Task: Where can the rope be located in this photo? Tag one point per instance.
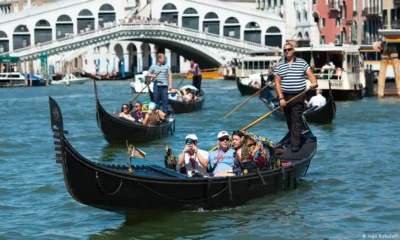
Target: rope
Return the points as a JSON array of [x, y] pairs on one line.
[[182, 200], [102, 189]]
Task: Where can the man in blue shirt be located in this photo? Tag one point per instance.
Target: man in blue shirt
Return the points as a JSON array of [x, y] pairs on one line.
[[223, 159], [162, 83]]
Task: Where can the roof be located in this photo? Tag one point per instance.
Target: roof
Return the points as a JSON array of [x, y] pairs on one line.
[[262, 58], [329, 48]]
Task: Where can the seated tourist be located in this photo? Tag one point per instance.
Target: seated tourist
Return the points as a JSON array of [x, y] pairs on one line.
[[188, 96], [192, 158], [154, 116], [256, 84], [252, 151], [125, 113], [237, 141], [174, 95], [317, 100], [138, 114], [222, 160]]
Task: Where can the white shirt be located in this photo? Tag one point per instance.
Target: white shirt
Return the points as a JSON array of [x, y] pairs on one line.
[[318, 100], [198, 168]]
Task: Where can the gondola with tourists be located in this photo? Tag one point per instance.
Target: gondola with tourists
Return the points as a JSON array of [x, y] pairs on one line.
[[118, 130], [246, 89], [183, 106], [322, 115], [115, 188]]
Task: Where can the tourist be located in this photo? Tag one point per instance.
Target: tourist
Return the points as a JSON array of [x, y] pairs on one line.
[[138, 115], [154, 116], [192, 158], [125, 113], [163, 81], [222, 160], [290, 85], [317, 100]]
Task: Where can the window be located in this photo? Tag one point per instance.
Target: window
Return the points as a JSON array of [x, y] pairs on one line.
[[322, 39], [305, 15], [314, 2], [355, 5], [344, 8], [298, 16], [337, 21], [322, 22], [1, 48], [16, 7]]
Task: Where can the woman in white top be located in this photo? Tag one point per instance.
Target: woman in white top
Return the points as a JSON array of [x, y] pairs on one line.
[[195, 160]]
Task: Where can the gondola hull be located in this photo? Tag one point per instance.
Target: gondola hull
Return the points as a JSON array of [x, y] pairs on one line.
[[323, 115], [245, 89], [113, 188], [119, 130], [184, 106]]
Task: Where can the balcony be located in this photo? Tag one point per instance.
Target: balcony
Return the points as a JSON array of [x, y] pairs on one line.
[[334, 5], [396, 2]]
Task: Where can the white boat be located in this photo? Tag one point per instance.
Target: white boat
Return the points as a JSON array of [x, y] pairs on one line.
[[70, 79], [346, 75], [139, 83], [246, 66], [14, 79]]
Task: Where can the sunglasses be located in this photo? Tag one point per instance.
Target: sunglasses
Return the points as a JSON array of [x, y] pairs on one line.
[[287, 49], [190, 141], [251, 144], [223, 139], [124, 107], [137, 106]]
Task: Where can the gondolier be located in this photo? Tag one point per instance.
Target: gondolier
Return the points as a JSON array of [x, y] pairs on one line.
[[290, 80], [162, 83], [195, 70]]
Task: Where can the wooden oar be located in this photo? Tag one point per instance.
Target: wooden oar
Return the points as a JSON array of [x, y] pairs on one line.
[[255, 94], [267, 114], [181, 81], [137, 95]]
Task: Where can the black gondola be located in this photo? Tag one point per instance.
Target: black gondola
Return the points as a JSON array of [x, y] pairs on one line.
[[118, 130], [322, 115], [245, 89], [184, 106], [114, 188]]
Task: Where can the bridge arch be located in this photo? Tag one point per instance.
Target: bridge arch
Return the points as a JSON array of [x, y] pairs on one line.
[[273, 37], [4, 42], [232, 28], [190, 18], [43, 31], [106, 14], [21, 37], [211, 23], [85, 21], [64, 26], [252, 32], [169, 13]]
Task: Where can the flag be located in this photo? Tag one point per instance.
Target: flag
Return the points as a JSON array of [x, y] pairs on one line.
[[312, 63]]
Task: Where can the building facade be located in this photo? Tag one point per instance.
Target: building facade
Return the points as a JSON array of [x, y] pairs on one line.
[[372, 10]]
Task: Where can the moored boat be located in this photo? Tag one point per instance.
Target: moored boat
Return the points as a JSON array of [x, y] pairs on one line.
[[118, 130], [138, 83], [246, 89], [114, 188], [70, 79]]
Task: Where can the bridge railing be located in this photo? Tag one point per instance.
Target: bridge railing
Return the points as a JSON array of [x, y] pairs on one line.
[[135, 26]]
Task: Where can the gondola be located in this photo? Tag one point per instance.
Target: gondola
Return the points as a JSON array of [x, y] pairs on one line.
[[184, 106], [118, 130], [323, 115], [245, 89], [114, 188]]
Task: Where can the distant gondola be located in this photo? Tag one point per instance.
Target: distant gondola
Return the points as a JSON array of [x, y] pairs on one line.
[[114, 188], [184, 106], [118, 130], [323, 115], [245, 89]]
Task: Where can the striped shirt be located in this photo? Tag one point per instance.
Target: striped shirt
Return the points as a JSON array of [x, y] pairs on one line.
[[293, 76], [162, 78]]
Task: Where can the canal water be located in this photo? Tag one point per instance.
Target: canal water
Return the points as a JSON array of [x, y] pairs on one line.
[[351, 187]]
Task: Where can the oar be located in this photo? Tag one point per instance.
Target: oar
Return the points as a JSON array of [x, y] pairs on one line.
[[137, 95], [182, 81], [255, 94], [267, 114]]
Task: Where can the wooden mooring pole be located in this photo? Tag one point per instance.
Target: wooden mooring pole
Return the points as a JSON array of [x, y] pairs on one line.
[[382, 76], [396, 70]]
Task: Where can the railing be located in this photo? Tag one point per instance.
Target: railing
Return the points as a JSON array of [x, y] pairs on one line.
[[370, 11], [47, 8], [395, 24], [64, 42], [334, 5]]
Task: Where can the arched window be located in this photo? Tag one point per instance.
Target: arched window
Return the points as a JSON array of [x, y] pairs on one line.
[[232, 20], [273, 37], [106, 7], [211, 15], [252, 32], [190, 11], [85, 12], [3, 34], [169, 6], [211, 23], [16, 7], [191, 21]]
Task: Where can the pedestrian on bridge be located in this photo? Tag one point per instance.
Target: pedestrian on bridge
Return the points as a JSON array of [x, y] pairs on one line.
[[163, 81]]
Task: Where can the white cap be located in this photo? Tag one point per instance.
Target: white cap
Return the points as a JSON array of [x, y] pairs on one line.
[[192, 136], [223, 134]]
